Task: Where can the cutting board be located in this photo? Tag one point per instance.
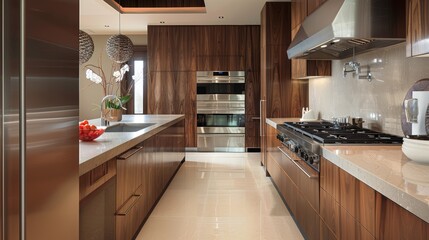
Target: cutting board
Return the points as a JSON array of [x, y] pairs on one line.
[[421, 85]]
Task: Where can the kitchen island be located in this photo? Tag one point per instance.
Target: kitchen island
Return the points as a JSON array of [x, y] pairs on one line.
[[111, 144], [125, 171]]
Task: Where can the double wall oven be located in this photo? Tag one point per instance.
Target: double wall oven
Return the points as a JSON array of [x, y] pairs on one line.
[[221, 111]]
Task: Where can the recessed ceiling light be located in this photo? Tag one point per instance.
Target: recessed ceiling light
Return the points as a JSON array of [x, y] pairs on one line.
[[106, 26], [323, 46], [162, 22], [221, 17]]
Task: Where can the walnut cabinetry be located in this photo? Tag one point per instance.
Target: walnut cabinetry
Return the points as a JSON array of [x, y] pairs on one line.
[[417, 28], [301, 68], [175, 54], [280, 95], [350, 209], [124, 190], [143, 173]]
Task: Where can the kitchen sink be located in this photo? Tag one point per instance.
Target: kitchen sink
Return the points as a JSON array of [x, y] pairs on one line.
[[128, 127]]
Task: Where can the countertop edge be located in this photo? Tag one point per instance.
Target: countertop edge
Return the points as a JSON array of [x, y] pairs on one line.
[[400, 197], [92, 163]]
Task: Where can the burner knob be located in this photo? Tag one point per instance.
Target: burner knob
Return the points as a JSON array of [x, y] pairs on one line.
[[295, 149], [302, 153], [306, 158], [314, 159]]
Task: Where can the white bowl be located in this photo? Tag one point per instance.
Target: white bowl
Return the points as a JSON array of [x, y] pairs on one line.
[[413, 145], [416, 154], [416, 147], [416, 141]]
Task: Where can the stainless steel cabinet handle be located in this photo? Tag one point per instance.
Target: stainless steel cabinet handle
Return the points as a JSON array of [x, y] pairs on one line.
[[129, 153], [256, 118], [297, 163]]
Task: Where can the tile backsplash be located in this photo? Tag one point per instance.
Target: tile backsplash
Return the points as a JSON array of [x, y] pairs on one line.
[[378, 102]]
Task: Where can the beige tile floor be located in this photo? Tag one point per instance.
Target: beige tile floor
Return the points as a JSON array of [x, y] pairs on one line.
[[222, 196]]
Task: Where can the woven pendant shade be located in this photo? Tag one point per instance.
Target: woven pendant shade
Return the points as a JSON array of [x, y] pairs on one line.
[[119, 48], [86, 47]]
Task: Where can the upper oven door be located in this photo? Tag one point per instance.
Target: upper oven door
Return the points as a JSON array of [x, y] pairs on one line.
[[232, 82], [221, 88]]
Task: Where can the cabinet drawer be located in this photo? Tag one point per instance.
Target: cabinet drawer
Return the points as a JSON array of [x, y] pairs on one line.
[[307, 218], [129, 216], [305, 178], [128, 174]]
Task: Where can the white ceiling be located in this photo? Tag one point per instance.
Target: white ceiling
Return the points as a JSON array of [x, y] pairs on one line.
[[96, 14]]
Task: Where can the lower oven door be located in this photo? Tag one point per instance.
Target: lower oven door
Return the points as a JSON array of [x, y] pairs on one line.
[[220, 139]]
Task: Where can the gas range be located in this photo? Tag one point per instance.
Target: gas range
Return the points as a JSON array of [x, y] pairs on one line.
[[306, 138]]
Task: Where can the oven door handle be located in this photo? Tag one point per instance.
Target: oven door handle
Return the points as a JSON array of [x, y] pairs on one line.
[[298, 164]]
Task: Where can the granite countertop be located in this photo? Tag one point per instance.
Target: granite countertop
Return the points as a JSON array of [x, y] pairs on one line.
[[274, 121], [387, 170], [111, 144]]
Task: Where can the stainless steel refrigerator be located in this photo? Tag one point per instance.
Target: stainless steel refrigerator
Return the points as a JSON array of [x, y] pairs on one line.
[[39, 114]]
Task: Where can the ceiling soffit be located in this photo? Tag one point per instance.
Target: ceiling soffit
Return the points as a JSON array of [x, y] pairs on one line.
[[158, 6]]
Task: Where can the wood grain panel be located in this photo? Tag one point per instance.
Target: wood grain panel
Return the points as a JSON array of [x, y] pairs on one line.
[[128, 178], [127, 225], [325, 232], [283, 97], [394, 222], [319, 68], [299, 12], [417, 27], [330, 213], [308, 219], [279, 85], [330, 178], [191, 110], [312, 5], [175, 93], [278, 23], [358, 200], [351, 229], [252, 52], [171, 48]]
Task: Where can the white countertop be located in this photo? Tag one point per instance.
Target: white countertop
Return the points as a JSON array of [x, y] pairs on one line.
[[111, 144], [273, 122], [387, 170]]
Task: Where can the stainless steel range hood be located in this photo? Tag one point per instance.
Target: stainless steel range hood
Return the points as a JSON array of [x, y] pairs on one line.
[[338, 26]]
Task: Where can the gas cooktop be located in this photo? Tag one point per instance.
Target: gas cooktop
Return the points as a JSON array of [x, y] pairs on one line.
[[329, 133]]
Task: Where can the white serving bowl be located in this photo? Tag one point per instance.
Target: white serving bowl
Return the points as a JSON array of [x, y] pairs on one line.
[[416, 142], [419, 154]]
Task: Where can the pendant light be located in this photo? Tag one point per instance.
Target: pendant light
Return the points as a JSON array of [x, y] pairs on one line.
[[119, 47], [86, 47]]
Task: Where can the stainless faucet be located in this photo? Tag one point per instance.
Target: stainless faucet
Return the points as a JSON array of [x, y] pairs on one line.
[[104, 119]]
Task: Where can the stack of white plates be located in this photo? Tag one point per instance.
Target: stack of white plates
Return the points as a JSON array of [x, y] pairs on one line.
[[416, 150]]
